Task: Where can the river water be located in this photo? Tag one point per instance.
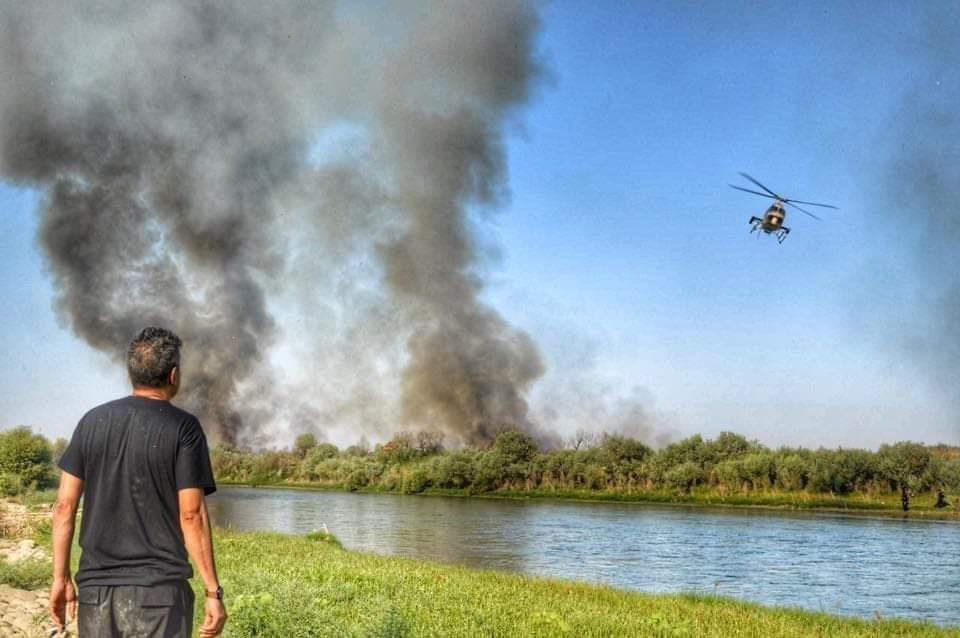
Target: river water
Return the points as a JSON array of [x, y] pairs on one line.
[[840, 564]]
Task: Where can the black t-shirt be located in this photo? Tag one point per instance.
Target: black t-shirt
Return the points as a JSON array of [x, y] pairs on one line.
[[133, 455]]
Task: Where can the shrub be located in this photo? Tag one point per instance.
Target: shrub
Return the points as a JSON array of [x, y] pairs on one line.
[[758, 469], [792, 471], [491, 470], [453, 470], [415, 481], [317, 454], [11, 485], [730, 474], [358, 479], [683, 477]]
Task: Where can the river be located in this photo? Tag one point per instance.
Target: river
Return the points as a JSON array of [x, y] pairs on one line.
[[850, 565]]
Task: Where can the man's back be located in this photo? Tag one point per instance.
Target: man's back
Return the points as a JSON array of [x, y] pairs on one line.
[[134, 454]]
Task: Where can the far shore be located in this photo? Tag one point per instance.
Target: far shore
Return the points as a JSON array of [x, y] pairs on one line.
[[786, 503]]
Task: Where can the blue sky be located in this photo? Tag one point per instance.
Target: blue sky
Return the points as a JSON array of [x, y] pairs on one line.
[[623, 250]]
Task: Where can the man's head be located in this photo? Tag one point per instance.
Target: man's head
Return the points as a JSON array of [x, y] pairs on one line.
[[153, 360]]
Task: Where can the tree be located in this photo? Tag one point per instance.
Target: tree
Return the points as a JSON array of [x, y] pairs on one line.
[[316, 455], [515, 446], [623, 449], [58, 447], [582, 439], [429, 442], [727, 446], [27, 456], [904, 465], [304, 443], [399, 449], [691, 449], [362, 448]]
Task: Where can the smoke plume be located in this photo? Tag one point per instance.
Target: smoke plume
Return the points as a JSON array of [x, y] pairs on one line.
[[916, 196], [173, 145]]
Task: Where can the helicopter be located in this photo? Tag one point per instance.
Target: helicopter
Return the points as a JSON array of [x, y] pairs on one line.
[[772, 220]]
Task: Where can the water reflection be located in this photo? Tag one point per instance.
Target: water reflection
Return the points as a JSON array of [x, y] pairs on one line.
[[822, 562]]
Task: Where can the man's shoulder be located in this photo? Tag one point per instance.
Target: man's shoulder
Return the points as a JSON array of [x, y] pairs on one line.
[[102, 410], [128, 404]]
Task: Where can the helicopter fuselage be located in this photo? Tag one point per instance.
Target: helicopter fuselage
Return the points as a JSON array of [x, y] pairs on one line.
[[772, 221]]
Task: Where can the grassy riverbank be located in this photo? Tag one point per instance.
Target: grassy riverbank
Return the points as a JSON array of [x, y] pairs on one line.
[[290, 586], [922, 508]]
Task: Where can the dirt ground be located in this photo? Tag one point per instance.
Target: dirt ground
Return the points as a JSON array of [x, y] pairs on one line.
[[23, 613]]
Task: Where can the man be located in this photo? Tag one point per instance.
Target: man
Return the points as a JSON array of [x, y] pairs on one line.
[[143, 468]]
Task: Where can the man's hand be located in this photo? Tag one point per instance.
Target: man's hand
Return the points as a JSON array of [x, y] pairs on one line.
[[63, 602], [214, 618]]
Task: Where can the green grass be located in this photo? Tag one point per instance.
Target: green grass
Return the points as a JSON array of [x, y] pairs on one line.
[[33, 498], [291, 586], [27, 574]]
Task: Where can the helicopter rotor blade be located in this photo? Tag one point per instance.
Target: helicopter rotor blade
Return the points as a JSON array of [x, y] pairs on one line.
[[775, 196], [812, 203], [747, 190], [802, 210]]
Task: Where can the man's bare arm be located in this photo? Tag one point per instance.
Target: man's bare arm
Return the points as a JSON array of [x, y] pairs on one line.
[[195, 523], [197, 536], [63, 597]]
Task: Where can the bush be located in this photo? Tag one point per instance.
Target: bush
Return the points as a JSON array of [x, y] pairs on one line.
[[27, 456], [11, 485], [415, 481], [730, 474], [491, 470], [315, 456], [792, 471], [683, 477], [358, 479], [758, 469], [453, 470]]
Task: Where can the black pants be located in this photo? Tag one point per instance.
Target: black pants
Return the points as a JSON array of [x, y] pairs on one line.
[[131, 611]]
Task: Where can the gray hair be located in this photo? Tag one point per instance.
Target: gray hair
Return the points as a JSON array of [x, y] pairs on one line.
[[153, 353]]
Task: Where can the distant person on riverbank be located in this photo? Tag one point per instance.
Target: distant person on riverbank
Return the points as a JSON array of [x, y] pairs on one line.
[[143, 468]]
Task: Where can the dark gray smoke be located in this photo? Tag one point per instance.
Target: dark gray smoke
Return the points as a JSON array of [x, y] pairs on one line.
[[916, 198], [168, 138]]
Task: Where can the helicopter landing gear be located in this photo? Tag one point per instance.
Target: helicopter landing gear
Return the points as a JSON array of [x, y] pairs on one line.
[[756, 224]]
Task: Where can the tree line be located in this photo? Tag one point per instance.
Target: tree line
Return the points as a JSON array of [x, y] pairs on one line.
[[730, 464], [412, 462]]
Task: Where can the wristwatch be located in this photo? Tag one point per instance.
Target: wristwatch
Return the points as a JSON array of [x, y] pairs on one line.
[[218, 594]]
